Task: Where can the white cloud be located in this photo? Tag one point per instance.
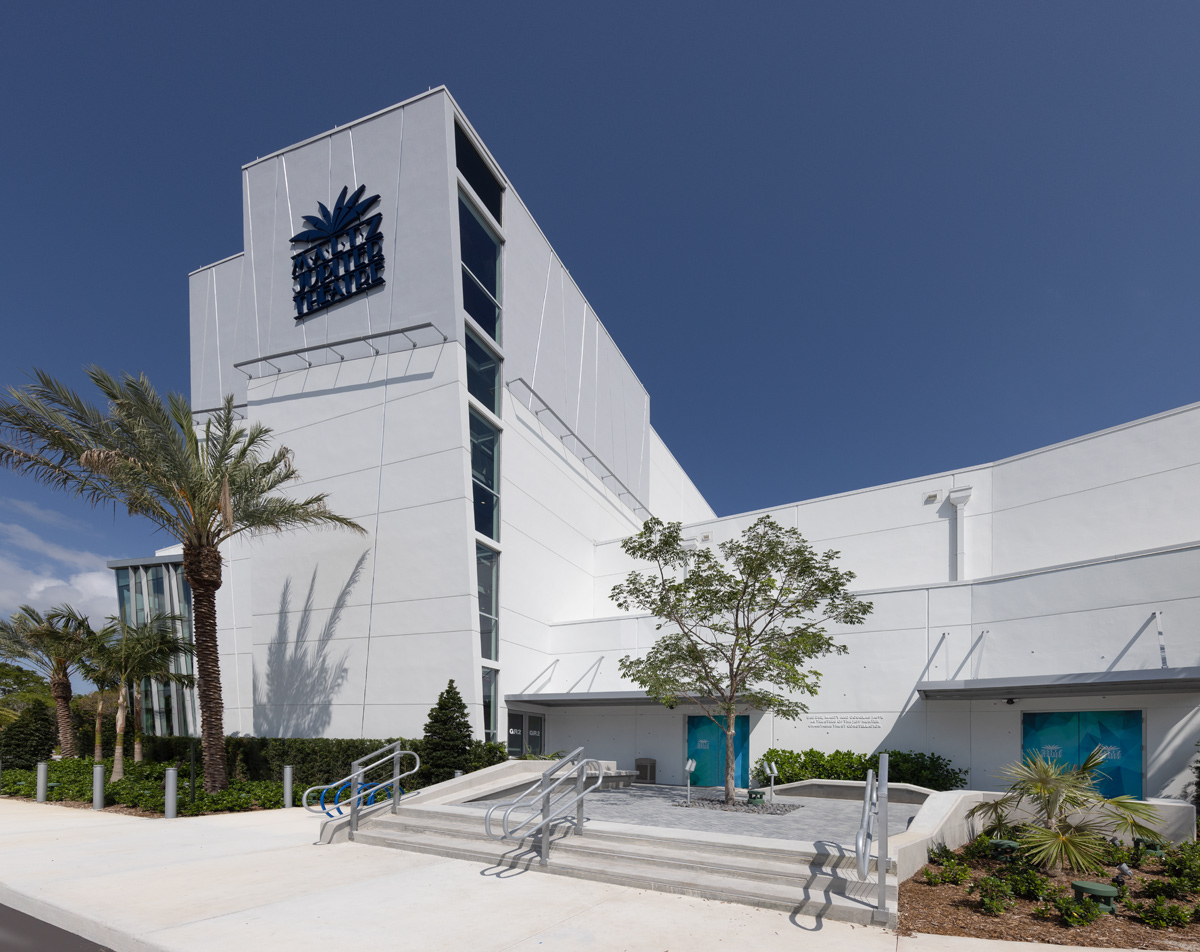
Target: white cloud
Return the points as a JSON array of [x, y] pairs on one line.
[[15, 536], [50, 517], [93, 593]]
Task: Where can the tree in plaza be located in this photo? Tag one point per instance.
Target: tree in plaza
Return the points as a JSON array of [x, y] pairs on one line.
[[126, 655], [738, 629], [53, 644], [447, 745], [30, 738], [201, 484]]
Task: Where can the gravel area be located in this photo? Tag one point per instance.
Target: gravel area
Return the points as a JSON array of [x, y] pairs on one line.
[[780, 808], [814, 819]]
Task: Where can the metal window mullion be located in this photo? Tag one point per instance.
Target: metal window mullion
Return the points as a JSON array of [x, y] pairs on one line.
[[482, 287]]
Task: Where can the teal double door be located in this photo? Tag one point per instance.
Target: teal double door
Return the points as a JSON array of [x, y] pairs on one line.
[[706, 746], [1069, 736]]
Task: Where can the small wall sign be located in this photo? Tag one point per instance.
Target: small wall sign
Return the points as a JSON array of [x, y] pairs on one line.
[[344, 256], [871, 721]]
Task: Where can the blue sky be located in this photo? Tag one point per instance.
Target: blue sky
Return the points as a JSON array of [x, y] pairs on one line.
[[842, 244]]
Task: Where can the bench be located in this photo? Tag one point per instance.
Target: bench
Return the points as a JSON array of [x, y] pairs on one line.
[[1103, 893]]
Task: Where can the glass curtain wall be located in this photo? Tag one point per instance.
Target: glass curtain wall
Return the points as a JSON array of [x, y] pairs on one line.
[[143, 590], [479, 253]]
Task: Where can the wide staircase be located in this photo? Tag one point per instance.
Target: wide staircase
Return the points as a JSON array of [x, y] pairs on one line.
[[811, 879]]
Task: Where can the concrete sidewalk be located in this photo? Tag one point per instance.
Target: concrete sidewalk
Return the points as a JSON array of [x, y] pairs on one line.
[[256, 881]]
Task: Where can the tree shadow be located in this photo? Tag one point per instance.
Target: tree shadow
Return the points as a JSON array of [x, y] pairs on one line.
[[294, 698]]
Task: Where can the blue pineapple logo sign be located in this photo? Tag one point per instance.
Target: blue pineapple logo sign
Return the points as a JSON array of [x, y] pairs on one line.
[[344, 256]]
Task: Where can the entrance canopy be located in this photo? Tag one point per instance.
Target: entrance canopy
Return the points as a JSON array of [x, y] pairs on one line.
[[1143, 681]]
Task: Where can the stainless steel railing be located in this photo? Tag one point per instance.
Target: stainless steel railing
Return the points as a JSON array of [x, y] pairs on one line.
[[545, 805], [353, 791], [875, 813]]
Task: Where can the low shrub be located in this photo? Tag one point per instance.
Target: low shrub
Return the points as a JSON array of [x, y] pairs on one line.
[[978, 849], [1077, 912], [951, 872], [1173, 887], [941, 854], [995, 895], [1161, 914], [1182, 862], [1027, 883], [904, 766]]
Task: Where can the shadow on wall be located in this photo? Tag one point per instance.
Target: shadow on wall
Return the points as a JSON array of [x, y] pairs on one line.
[[294, 697]]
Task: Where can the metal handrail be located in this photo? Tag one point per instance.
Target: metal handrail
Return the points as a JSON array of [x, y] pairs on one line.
[[550, 809], [875, 810], [359, 791]]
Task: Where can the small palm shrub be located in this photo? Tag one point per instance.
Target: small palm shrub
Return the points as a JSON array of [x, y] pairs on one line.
[[1071, 819]]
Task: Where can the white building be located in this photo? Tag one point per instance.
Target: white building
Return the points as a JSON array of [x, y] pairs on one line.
[[436, 369]]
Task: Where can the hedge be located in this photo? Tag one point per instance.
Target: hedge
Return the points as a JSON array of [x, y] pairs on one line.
[[904, 766]]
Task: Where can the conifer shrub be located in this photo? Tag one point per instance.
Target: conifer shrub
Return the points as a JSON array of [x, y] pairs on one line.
[[447, 741]]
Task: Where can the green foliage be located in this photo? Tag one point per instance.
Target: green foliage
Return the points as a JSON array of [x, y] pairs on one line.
[[904, 766], [995, 895], [978, 849], [1070, 818], [1115, 854], [19, 687], [1027, 883], [951, 872], [1160, 914], [30, 738], [940, 854], [1173, 887], [1182, 862], [738, 628], [1077, 912], [447, 745]]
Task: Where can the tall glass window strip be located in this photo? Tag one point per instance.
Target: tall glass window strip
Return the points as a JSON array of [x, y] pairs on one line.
[[485, 441], [478, 174], [487, 564], [480, 252], [483, 374], [490, 676]]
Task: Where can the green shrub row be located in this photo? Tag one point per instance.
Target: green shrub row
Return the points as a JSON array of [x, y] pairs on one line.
[[904, 766]]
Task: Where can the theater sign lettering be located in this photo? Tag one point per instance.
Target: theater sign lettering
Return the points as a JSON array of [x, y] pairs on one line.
[[343, 254]]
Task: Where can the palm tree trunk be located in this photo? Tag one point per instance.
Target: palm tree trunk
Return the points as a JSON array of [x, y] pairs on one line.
[[118, 771], [98, 748], [60, 690], [202, 569], [137, 724]]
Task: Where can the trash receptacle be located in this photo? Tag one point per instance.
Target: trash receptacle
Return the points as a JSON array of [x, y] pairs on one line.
[[647, 770]]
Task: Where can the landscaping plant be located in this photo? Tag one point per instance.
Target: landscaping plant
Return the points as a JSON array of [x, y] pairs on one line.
[[1066, 820], [738, 628]]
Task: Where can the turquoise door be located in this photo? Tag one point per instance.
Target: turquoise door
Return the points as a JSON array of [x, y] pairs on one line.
[[706, 746], [1069, 736]]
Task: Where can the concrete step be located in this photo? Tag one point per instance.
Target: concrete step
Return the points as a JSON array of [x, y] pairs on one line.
[[814, 895], [824, 857]]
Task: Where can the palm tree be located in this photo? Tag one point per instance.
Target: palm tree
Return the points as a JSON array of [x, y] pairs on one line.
[[202, 485], [1059, 816], [54, 644], [128, 654], [94, 668]]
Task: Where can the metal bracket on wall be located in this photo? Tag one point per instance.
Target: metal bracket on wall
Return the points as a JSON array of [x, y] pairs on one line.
[[417, 335]]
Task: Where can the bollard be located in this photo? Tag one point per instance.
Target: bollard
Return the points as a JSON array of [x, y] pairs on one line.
[[287, 788], [458, 773], [43, 776], [172, 793], [98, 787]]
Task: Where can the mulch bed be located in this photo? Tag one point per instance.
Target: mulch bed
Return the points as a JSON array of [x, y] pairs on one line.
[[950, 910]]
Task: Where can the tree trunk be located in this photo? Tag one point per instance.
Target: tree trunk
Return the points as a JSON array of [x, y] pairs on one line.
[[137, 724], [118, 771], [202, 569], [60, 690], [98, 748], [729, 758]]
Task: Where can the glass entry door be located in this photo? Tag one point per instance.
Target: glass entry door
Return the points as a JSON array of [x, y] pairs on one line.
[[526, 734]]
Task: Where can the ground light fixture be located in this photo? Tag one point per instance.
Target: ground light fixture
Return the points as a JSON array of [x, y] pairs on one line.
[[772, 772], [688, 768]]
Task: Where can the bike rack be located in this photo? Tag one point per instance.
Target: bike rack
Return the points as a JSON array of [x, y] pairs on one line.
[[358, 790]]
